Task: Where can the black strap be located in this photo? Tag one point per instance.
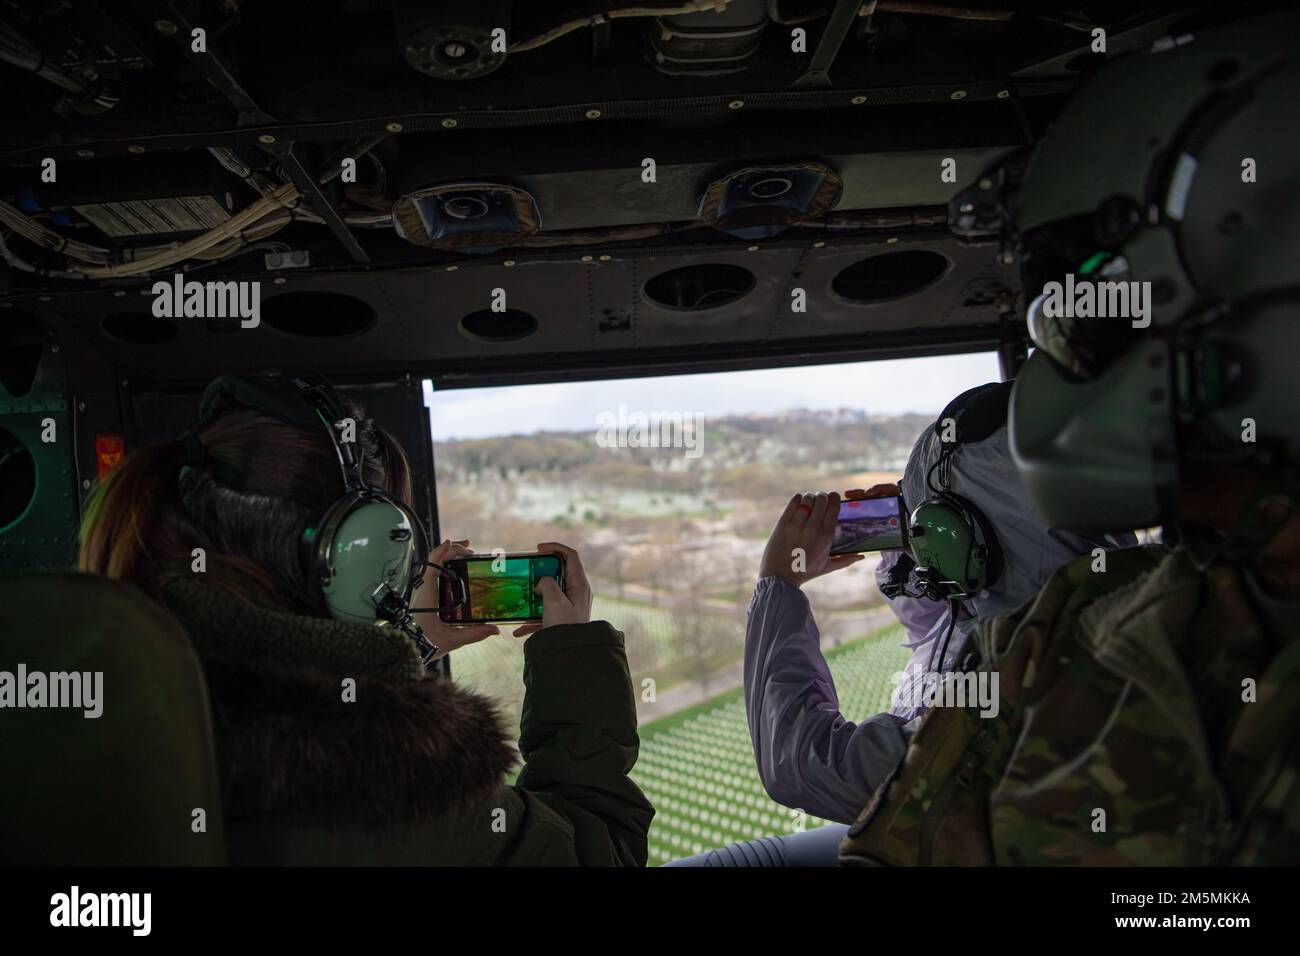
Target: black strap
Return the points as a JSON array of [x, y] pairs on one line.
[[196, 454], [976, 413]]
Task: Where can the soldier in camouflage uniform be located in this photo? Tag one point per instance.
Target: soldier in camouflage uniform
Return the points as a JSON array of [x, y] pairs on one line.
[[1150, 698]]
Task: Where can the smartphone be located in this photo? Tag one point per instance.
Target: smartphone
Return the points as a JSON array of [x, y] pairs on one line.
[[486, 588], [869, 524]]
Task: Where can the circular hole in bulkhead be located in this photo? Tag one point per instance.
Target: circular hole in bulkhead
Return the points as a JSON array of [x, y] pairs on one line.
[[318, 315], [17, 479], [890, 275], [20, 351], [696, 288], [488, 326], [138, 328]]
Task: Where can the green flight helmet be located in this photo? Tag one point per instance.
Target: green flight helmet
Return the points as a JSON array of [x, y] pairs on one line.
[[367, 549], [1178, 168]]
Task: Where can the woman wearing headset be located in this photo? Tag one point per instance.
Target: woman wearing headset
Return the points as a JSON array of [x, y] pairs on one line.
[[334, 744]]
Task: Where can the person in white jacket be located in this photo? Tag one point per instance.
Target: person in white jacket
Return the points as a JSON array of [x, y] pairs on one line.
[[809, 755]]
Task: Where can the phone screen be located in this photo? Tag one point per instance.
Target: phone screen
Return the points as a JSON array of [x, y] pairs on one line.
[[498, 588], [869, 524]]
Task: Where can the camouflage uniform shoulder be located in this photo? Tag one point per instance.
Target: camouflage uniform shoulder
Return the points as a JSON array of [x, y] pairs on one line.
[[1090, 576], [1070, 589]]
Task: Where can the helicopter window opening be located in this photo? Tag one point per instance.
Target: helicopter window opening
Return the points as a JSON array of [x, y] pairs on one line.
[[668, 487]]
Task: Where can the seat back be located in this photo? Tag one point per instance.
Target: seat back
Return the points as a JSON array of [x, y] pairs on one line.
[[122, 788]]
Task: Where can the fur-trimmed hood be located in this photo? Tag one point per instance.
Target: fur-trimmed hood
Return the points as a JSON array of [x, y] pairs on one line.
[[411, 748]]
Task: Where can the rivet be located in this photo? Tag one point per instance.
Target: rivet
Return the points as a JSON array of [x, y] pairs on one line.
[[1003, 94], [279, 280], [736, 105], [858, 100], [752, 248], [819, 244], [135, 149], [593, 114], [266, 139], [394, 127], [586, 258], [957, 95], [508, 263], [449, 123], [85, 154], [605, 258], [452, 268]]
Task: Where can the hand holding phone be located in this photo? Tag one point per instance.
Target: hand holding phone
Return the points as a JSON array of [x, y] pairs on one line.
[[481, 588], [540, 589], [447, 637], [567, 604], [799, 548]]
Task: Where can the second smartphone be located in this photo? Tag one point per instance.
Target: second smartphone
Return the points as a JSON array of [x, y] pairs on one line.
[[869, 524]]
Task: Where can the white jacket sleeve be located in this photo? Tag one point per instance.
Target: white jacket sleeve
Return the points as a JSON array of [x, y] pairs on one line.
[[809, 756]]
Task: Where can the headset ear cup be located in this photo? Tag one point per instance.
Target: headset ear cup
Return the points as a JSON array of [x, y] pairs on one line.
[[318, 541], [992, 547], [423, 544], [365, 557]]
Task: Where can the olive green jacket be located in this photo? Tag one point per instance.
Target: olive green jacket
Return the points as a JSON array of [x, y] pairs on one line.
[[334, 746]]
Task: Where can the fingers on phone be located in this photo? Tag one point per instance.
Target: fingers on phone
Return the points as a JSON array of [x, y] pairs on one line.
[[832, 513], [554, 547], [526, 630], [573, 571], [548, 589], [820, 505]]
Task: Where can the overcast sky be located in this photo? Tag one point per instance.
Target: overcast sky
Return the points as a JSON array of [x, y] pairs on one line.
[[921, 385]]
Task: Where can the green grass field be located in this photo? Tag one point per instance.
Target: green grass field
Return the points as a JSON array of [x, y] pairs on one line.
[[697, 766]]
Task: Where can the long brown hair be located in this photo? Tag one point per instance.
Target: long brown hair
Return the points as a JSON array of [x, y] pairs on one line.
[[264, 481]]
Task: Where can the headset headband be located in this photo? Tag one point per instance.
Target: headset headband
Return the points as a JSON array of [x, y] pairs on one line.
[[976, 413], [304, 399]]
